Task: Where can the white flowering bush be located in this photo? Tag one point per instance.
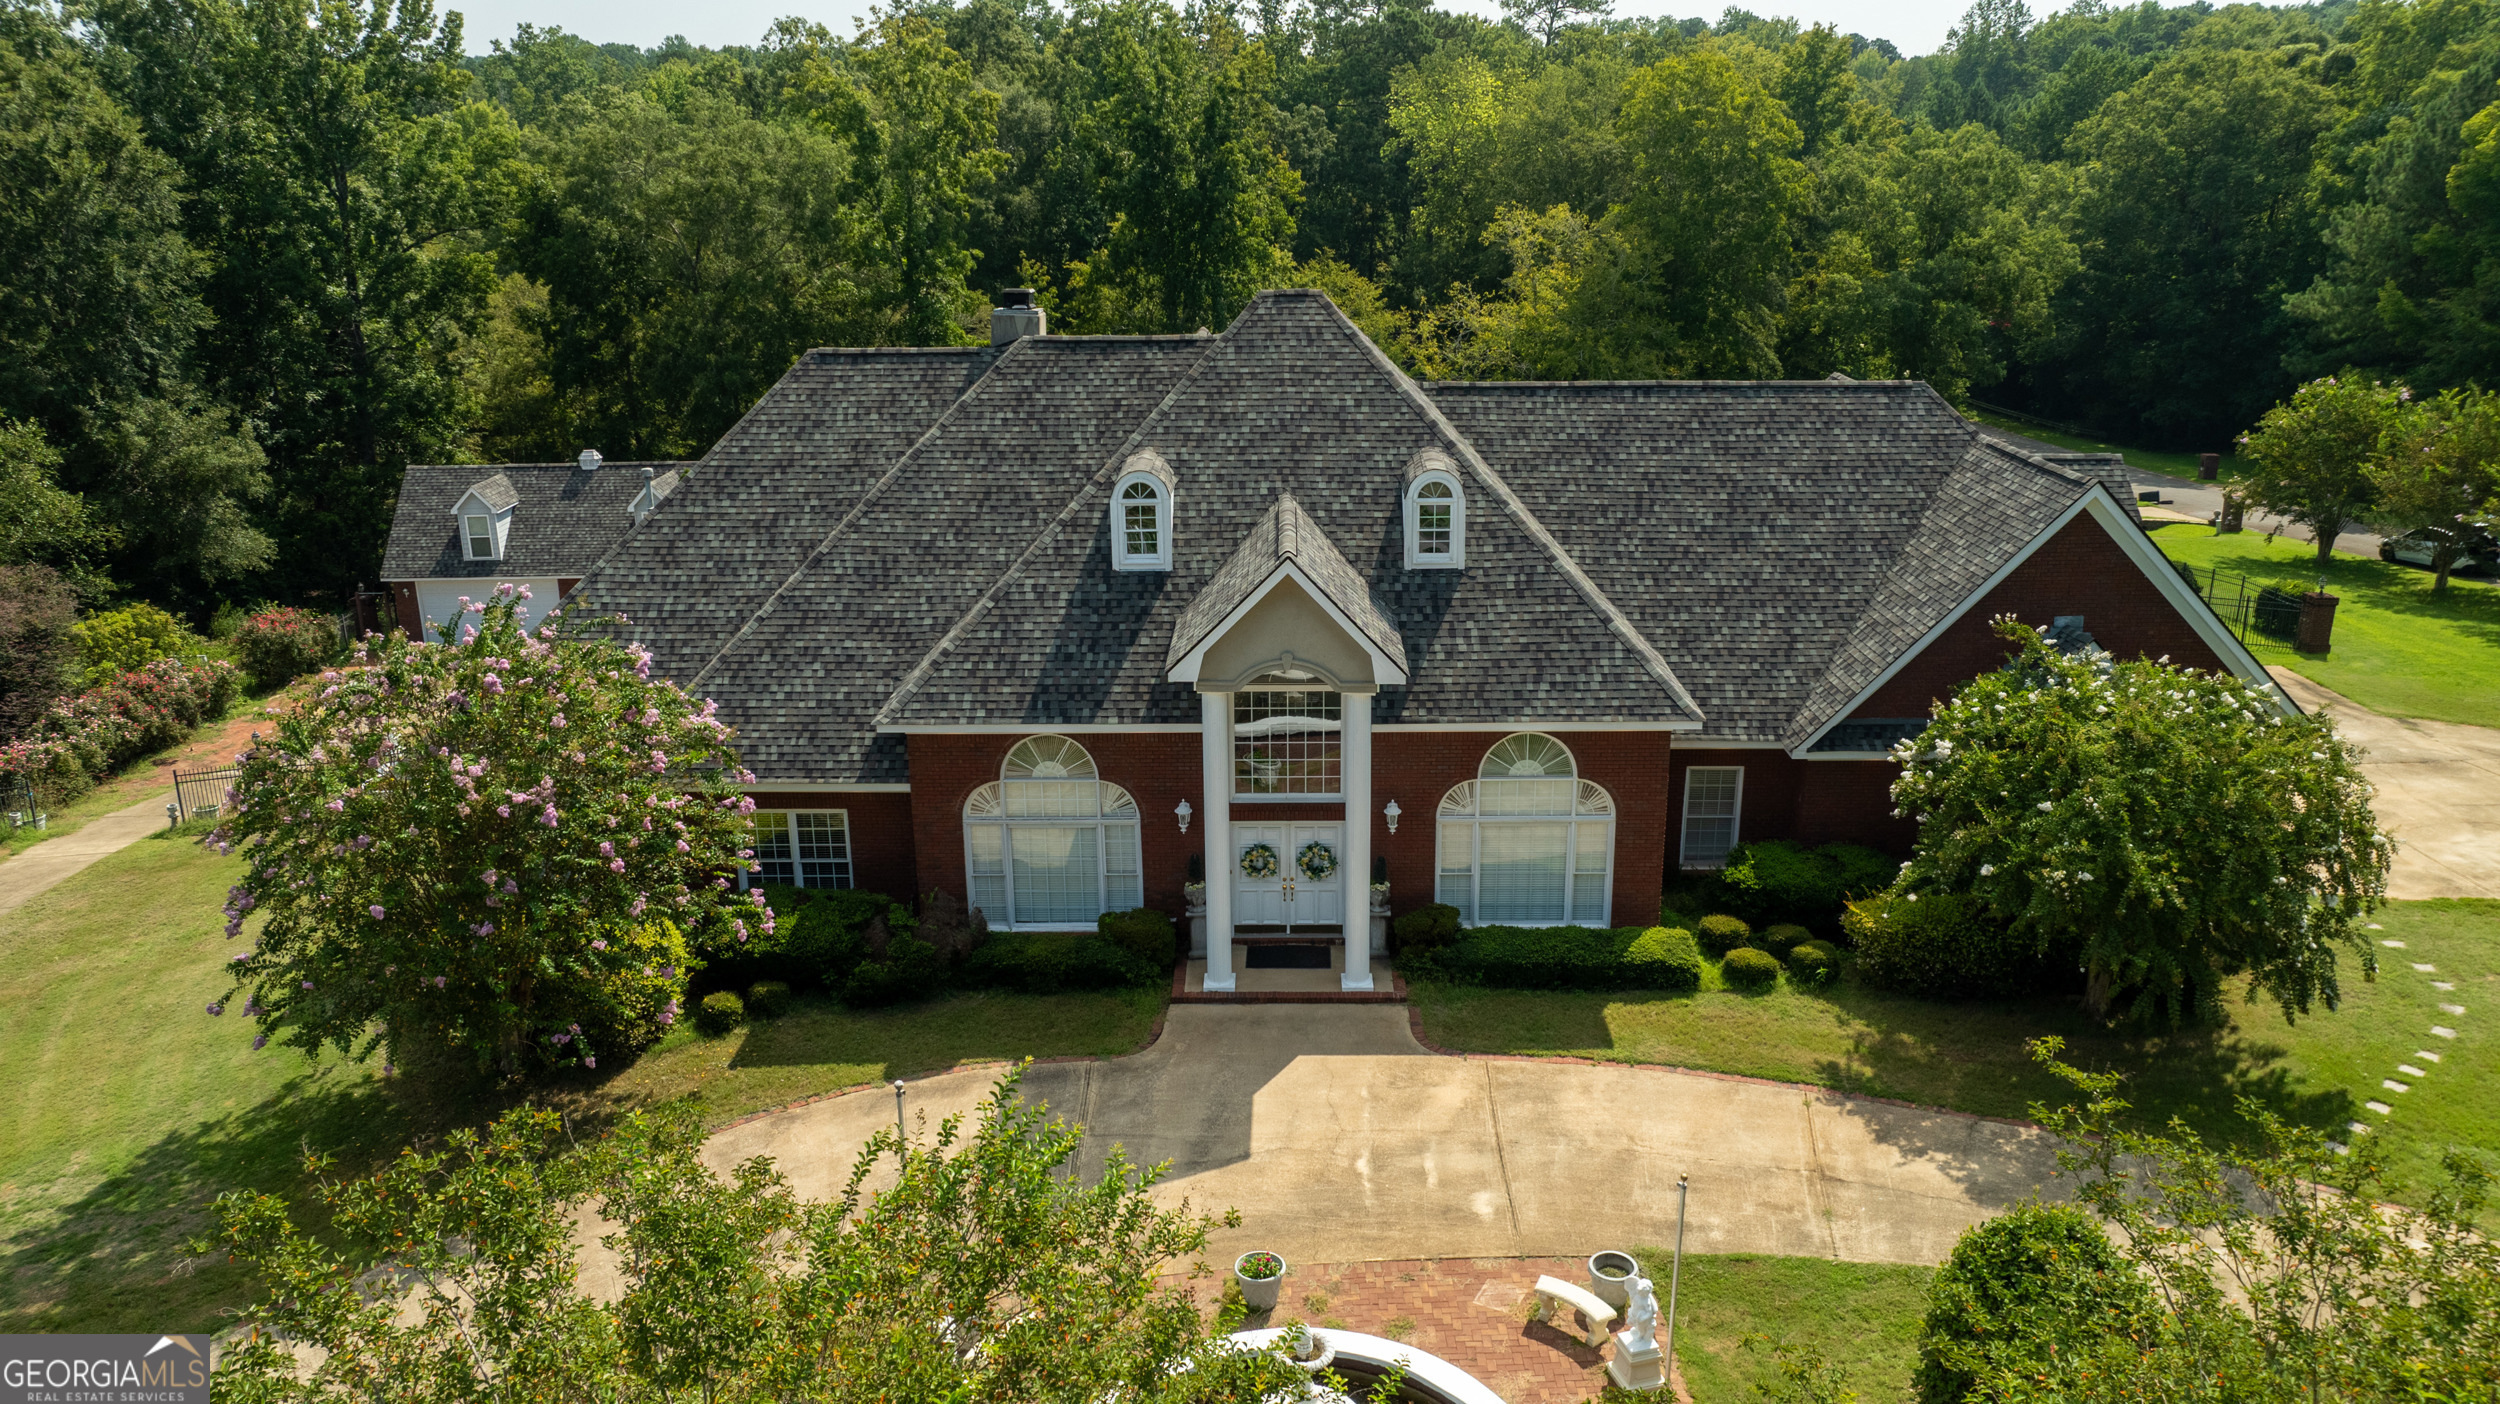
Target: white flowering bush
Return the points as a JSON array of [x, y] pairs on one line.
[[496, 850], [2168, 829]]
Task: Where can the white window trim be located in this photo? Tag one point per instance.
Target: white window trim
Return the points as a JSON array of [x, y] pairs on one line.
[[1457, 557], [1121, 559], [498, 525], [1346, 701], [1684, 818], [1572, 876], [1099, 822], [850, 850]]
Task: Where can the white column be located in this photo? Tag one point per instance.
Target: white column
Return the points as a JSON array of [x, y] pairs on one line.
[[1215, 716], [1354, 759]]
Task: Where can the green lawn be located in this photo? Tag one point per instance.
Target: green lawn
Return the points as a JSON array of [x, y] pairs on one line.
[[2399, 649], [1862, 1317], [1971, 1056], [2177, 465], [124, 1108]]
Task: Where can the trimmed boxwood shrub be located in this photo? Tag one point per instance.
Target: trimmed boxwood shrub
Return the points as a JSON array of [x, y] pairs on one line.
[[1781, 939], [820, 936], [1425, 928], [719, 1012], [1049, 962], [1664, 958], [1721, 934], [1813, 962], [1775, 880], [1749, 969], [768, 999], [1144, 933], [1939, 946], [2039, 1279]]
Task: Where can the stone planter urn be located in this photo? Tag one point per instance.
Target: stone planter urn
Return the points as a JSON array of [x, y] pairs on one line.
[[1194, 894], [1610, 1277], [1380, 918], [1259, 1293]]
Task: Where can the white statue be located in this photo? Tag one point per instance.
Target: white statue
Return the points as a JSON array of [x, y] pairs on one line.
[[1640, 1317]]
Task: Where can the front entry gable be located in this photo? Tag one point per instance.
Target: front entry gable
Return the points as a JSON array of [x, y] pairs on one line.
[[1287, 591]]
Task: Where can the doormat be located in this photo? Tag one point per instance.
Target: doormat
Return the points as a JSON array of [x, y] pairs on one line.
[[1287, 958]]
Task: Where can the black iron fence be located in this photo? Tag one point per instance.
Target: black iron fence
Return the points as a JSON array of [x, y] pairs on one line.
[[201, 794], [2245, 605]]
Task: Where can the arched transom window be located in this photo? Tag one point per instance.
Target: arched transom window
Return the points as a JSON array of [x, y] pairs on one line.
[[1527, 842], [1049, 843], [1141, 514]]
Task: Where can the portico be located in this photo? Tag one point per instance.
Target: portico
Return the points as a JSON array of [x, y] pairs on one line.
[[1287, 649]]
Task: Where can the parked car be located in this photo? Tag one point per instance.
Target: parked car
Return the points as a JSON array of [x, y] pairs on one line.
[[2478, 553]]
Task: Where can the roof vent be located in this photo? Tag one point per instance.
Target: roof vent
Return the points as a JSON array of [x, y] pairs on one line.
[[1016, 316], [590, 460]]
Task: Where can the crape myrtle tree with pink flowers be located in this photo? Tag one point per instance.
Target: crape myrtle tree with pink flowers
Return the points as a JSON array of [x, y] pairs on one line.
[[504, 853]]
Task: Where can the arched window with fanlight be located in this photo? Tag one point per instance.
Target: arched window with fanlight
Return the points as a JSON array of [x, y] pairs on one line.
[[1049, 843], [1141, 515], [1527, 842], [1436, 521]]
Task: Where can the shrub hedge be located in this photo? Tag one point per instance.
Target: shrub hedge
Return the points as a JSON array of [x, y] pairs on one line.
[[768, 999], [1940, 946], [1721, 934], [1052, 962], [1559, 958], [1781, 939], [80, 740], [1425, 928], [1775, 880], [1144, 933], [719, 1012], [907, 969], [1750, 969], [128, 639], [2017, 1288]]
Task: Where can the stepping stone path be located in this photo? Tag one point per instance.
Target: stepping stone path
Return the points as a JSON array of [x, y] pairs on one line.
[[2423, 1055]]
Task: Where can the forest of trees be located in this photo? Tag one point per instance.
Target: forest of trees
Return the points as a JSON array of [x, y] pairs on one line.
[[256, 255]]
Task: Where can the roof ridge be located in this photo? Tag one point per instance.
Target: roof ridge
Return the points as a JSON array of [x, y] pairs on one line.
[[857, 510], [980, 608], [1619, 623], [1819, 384]]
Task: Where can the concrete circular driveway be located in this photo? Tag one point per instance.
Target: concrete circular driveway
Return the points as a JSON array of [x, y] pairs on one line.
[[1339, 1138]]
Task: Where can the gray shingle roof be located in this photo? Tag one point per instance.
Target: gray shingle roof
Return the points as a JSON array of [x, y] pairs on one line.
[[563, 519], [1284, 534], [921, 538]]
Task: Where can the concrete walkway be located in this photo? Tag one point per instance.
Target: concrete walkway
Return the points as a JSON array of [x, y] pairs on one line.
[[1341, 1139], [2438, 793], [52, 862]]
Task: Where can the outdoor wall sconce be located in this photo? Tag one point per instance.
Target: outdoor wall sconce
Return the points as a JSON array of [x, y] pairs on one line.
[[1183, 812], [1391, 814]]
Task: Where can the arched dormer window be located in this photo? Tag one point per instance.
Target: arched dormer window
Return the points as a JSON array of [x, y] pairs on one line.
[[1049, 843], [1436, 518], [1527, 842], [1141, 514]]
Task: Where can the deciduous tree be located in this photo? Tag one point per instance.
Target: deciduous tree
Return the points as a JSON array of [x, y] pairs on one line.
[[2440, 469], [2313, 453]]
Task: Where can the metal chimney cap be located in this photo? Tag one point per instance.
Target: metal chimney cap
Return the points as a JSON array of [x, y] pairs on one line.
[[1016, 297], [590, 460]]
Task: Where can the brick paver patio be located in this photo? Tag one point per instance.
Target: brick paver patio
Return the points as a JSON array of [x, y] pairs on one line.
[[1473, 1312]]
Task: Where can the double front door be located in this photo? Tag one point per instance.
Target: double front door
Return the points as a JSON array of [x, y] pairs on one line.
[[1273, 883]]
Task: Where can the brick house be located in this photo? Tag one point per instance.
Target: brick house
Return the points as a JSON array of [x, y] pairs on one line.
[[1040, 623]]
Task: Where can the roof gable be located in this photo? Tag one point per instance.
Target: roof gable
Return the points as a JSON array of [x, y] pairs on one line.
[[559, 519], [1285, 545]]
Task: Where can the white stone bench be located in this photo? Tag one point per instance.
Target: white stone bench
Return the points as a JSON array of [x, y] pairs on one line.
[[1553, 1291]]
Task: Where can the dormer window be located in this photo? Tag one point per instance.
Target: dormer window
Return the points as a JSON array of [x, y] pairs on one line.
[[482, 518], [1436, 521], [1141, 515]]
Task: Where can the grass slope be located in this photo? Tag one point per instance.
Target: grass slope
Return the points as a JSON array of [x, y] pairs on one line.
[[1862, 1317], [1970, 1057], [125, 1109], [2399, 649], [2176, 465]]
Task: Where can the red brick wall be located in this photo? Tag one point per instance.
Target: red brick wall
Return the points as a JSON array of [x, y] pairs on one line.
[[1159, 769], [1416, 768], [2078, 571], [881, 834], [1810, 801]]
